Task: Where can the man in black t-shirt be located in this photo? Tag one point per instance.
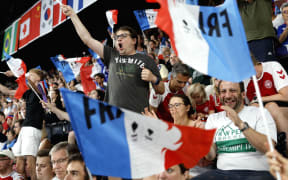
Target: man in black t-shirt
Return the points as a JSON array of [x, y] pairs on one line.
[[129, 72]]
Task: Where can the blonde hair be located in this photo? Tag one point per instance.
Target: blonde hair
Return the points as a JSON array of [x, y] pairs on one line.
[[215, 88], [196, 88], [39, 72]]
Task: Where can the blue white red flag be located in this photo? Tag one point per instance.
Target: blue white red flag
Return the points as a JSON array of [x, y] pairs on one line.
[[121, 143], [209, 39], [42, 87], [146, 18], [112, 17], [58, 15], [99, 65], [19, 69], [78, 5], [63, 66]]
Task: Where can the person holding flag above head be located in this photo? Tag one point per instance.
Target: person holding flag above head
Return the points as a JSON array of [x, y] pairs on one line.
[[129, 72], [29, 138]]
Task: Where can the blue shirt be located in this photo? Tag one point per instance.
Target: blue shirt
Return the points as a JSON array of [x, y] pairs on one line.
[[282, 50]]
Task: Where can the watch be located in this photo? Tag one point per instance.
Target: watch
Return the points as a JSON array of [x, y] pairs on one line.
[[246, 126]]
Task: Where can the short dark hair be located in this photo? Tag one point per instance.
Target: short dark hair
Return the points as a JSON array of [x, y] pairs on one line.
[[180, 68], [78, 158], [186, 102], [133, 33], [101, 75], [43, 153], [241, 85], [2, 113]]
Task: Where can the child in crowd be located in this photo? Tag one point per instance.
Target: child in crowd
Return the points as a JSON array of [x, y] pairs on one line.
[[197, 95], [11, 139]]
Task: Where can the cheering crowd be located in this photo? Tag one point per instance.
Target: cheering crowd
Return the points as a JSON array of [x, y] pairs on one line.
[[146, 76]]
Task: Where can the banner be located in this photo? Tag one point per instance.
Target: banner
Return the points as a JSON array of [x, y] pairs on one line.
[[58, 15], [64, 67], [10, 42], [209, 39], [146, 18], [19, 69], [112, 18], [30, 25], [78, 5], [46, 16], [121, 143]]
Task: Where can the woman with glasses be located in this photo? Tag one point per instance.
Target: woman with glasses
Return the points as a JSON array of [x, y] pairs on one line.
[[183, 114], [182, 111]]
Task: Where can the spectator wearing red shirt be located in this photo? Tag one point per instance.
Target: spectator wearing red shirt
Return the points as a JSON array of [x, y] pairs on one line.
[[159, 102], [273, 84], [197, 95]]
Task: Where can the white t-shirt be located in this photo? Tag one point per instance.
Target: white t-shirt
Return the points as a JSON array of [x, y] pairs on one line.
[[233, 149], [14, 175]]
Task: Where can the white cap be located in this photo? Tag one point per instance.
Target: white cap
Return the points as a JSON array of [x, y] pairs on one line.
[[7, 153]]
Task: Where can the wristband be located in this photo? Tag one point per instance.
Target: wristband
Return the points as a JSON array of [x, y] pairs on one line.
[[157, 81]]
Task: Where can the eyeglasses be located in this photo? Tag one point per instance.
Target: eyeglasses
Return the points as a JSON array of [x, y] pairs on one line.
[[59, 161], [124, 35], [176, 105]]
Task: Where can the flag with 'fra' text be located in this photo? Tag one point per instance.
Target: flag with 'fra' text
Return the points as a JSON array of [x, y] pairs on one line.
[[209, 39], [121, 143]]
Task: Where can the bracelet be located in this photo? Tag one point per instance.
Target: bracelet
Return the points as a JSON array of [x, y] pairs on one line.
[[157, 81]]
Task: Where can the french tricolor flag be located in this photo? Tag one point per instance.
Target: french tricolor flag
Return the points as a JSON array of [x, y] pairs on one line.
[[58, 15], [121, 143], [146, 18], [64, 67], [19, 69], [212, 40], [112, 17]]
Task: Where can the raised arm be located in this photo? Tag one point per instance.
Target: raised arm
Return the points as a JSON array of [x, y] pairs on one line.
[[83, 33], [7, 91], [62, 115]]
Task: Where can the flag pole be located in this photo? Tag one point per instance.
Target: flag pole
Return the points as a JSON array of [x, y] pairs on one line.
[[34, 90], [260, 102]]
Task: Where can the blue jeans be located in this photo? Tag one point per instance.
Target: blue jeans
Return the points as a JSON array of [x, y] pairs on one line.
[[218, 174]]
